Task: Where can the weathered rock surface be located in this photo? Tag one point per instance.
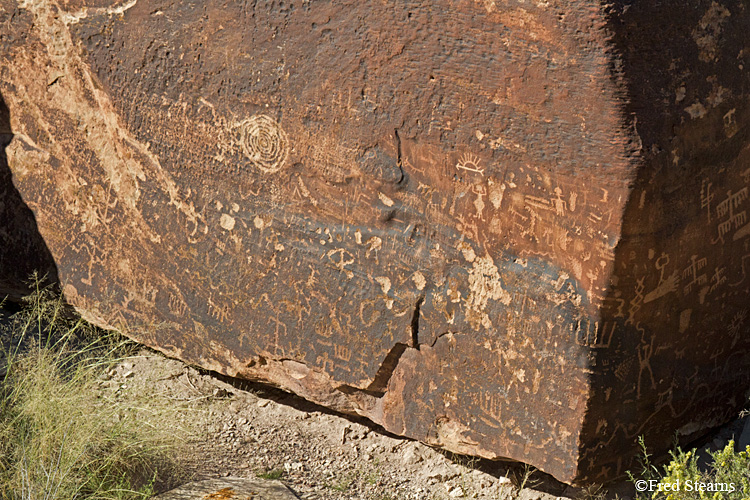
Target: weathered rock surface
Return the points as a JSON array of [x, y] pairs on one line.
[[230, 488], [510, 229]]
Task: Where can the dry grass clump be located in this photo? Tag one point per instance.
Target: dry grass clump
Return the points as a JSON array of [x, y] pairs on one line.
[[61, 435]]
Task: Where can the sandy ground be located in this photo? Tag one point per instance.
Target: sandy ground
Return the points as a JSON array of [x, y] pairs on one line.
[[252, 430]]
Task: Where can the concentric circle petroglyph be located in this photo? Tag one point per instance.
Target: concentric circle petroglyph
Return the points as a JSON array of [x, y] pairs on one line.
[[263, 142]]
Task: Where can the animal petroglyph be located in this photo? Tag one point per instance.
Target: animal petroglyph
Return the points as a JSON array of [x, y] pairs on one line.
[[263, 142]]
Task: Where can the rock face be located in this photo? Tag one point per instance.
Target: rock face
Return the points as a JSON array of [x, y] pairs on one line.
[[510, 229], [230, 488]]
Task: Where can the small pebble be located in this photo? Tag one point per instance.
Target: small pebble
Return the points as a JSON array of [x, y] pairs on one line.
[[456, 492]]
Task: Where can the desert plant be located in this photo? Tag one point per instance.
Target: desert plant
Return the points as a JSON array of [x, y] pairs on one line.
[[273, 474], [61, 435], [525, 479], [726, 478]]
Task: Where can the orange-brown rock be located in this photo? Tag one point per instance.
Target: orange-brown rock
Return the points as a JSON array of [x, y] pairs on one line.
[[515, 229]]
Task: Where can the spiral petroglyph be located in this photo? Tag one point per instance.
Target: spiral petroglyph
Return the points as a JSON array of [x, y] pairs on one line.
[[263, 142]]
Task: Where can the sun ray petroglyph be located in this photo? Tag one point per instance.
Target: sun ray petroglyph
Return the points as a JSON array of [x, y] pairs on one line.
[[470, 163]]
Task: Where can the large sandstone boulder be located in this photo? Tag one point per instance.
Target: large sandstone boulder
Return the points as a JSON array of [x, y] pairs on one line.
[[514, 229]]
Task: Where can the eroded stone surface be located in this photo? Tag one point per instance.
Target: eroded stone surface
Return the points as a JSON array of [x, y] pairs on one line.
[[506, 229], [230, 488]]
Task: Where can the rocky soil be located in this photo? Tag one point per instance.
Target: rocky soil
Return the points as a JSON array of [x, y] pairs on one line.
[[252, 430]]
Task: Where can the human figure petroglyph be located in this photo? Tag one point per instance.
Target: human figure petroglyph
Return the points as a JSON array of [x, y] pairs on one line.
[[559, 203], [666, 285], [479, 204]]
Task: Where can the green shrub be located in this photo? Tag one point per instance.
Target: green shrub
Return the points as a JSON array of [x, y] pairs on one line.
[[726, 478], [272, 474]]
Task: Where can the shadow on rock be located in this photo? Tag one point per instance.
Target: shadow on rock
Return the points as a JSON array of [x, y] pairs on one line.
[[23, 252]]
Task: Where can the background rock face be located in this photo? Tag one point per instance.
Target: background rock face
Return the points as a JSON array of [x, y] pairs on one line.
[[505, 229]]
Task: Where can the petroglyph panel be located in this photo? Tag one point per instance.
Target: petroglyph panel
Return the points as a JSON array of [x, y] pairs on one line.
[[505, 229]]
